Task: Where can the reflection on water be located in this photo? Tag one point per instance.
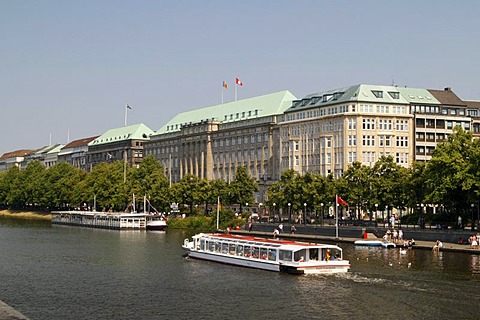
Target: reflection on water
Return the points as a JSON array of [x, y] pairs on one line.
[[63, 272]]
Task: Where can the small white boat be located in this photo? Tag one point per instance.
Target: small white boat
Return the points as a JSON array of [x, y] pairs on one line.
[[375, 243], [267, 254], [156, 222]]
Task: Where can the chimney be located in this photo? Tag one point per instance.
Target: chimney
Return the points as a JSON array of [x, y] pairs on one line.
[[448, 89]]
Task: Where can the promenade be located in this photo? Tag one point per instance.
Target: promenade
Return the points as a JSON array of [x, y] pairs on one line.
[[419, 244], [8, 313]]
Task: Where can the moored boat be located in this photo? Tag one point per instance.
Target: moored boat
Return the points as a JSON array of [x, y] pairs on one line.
[[156, 222], [267, 254], [375, 243]]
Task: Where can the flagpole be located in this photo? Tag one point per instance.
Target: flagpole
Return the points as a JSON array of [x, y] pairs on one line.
[[236, 85], [222, 94], [126, 114], [218, 211], [336, 216]]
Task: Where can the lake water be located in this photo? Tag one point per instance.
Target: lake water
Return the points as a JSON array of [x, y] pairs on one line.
[[60, 272]]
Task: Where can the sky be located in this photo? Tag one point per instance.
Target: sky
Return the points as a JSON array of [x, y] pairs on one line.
[[68, 68]]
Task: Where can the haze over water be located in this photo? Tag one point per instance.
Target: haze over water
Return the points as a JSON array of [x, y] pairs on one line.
[[57, 272]]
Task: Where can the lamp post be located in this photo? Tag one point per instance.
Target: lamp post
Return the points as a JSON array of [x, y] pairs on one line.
[[321, 206], [289, 212], [274, 212], [305, 212], [473, 221], [376, 211], [422, 226]]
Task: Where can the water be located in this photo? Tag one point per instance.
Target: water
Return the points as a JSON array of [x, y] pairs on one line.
[[60, 272]]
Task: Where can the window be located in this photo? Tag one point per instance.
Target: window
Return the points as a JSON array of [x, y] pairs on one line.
[[394, 95], [377, 93], [352, 124], [368, 124], [352, 141]]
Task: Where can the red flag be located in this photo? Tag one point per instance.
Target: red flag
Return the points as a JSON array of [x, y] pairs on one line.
[[341, 201], [238, 82]]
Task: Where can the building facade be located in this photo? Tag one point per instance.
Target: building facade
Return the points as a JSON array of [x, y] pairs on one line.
[[75, 153], [326, 132], [124, 143], [213, 142]]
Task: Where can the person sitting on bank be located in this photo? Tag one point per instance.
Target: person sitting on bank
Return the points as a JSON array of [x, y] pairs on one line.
[[438, 245], [275, 233]]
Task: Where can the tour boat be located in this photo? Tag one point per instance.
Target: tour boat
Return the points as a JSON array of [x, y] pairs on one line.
[[156, 222], [267, 254], [375, 243]]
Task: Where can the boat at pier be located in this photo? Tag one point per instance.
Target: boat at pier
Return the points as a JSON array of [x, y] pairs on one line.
[[104, 220], [267, 254], [156, 222], [375, 243]]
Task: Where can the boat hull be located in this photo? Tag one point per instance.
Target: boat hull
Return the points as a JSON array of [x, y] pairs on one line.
[[375, 243]]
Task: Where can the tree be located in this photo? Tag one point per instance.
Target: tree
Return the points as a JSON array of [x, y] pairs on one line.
[[60, 181], [243, 187]]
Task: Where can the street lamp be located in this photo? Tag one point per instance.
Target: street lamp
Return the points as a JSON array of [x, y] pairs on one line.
[[473, 221], [376, 211], [274, 212], [321, 205], [289, 212], [305, 212]]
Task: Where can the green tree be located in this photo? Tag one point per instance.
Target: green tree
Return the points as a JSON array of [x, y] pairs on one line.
[[243, 187], [60, 181]]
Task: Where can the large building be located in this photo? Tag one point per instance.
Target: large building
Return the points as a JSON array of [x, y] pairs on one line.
[[326, 132], [212, 142], [75, 152], [124, 143]]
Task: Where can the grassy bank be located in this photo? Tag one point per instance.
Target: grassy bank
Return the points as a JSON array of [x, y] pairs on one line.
[[25, 215]]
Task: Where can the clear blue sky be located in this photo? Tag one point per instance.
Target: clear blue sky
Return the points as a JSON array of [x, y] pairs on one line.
[[73, 65]]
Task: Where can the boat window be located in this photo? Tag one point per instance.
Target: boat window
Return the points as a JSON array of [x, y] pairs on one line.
[[224, 247], [239, 250], [313, 254], [218, 247], [248, 251], [272, 254], [231, 248], [202, 244], [263, 253], [211, 246], [299, 254], [285, 255], [256, 252]]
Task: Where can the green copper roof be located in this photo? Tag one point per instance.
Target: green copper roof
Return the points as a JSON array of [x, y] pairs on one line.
[[133, 132], [56, 149], [416, 95], [256, 107], [365, 93]]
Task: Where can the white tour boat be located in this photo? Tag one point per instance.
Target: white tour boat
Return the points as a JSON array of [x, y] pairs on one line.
[[267, 254]]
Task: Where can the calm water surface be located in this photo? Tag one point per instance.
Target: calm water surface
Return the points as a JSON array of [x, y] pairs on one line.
[[58, 272]]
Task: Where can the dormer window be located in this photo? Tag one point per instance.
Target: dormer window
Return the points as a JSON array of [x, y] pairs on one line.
[[394, 95], [377, 93]]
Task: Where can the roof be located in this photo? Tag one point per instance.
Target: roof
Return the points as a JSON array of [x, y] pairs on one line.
[[251, 108], [55, 149], [364, 93], [16, 153], [472, 103], [133, 132], [80, 142], [447, 97]]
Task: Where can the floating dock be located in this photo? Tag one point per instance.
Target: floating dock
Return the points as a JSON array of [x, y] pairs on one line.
[[104, 220]]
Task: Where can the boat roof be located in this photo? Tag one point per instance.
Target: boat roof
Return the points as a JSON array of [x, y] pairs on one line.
[[97, 213], [285, 244]]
